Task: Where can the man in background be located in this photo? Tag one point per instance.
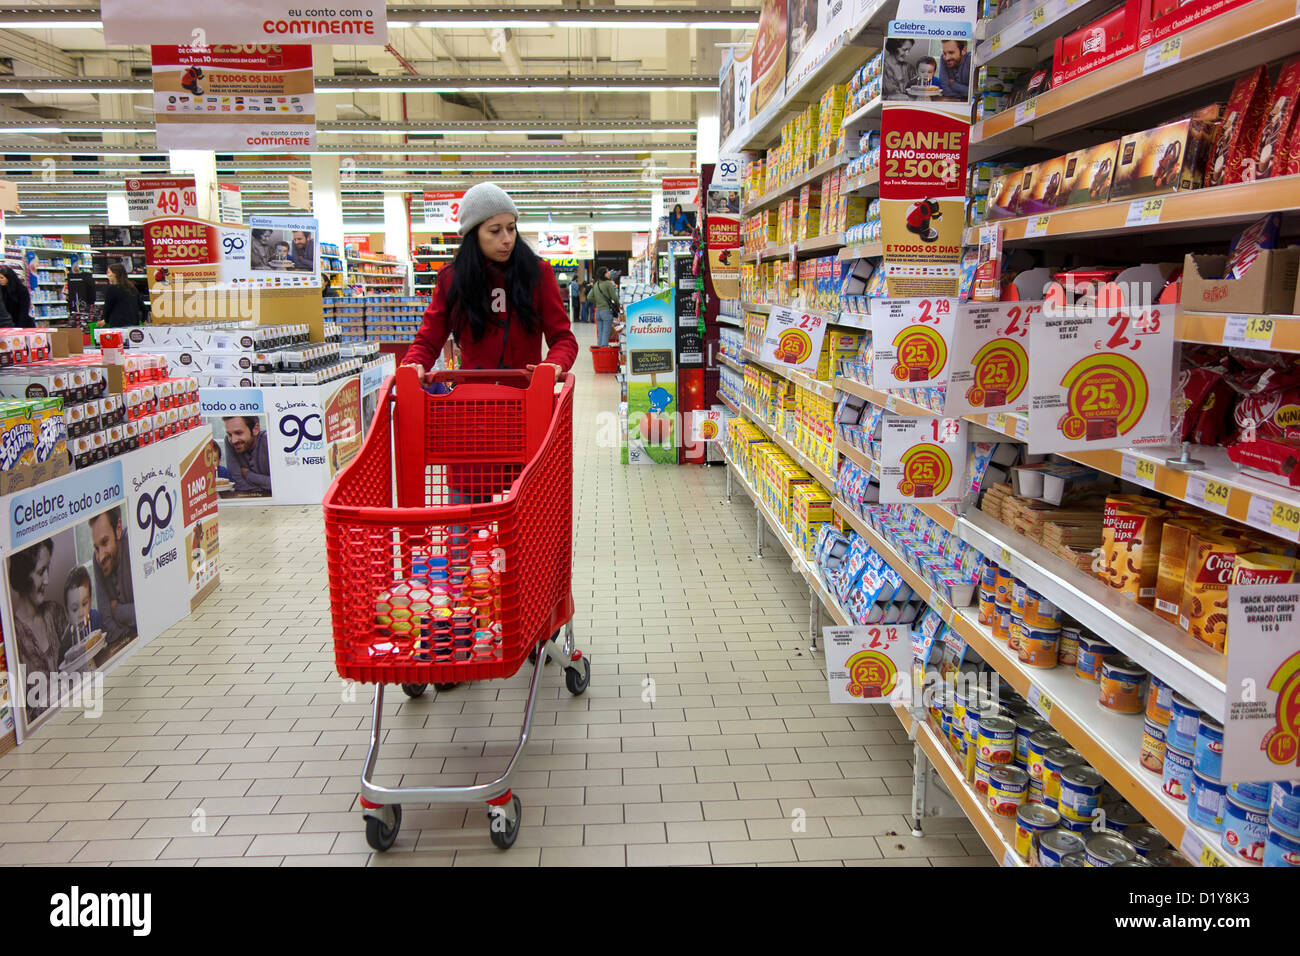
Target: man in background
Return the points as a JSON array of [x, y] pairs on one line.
[[954, 72], [248, 454], [114, 595]]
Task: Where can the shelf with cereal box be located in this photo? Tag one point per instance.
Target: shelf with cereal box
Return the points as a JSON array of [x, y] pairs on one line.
[[824, 478], [800, 379], [1200, 55], [795, 184]]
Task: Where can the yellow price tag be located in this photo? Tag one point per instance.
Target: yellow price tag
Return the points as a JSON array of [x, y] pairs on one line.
[[1259, 328], [1286, 516], [1210, 858], [1037, 17], [1004, 558], [1216, 494], [1145, 471], [1038, 699], [995, 43], [1000, 420]]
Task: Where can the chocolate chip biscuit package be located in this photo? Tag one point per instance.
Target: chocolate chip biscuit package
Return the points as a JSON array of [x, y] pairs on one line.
[[1130, 544], [1210, 560]]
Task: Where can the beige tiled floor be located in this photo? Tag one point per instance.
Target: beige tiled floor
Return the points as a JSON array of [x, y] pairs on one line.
[[230, 741]]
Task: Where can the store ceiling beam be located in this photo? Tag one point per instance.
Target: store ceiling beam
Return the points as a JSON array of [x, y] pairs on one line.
[[387, 127], [433, 150], [351, 85], [36, 52], [86, 16]]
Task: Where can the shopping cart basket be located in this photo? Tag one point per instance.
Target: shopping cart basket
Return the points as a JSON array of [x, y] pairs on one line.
[[449, 544]]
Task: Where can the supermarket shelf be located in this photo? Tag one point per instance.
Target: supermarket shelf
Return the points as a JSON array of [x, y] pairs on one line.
[[998, 833], [867, 184], [762, 308], [1109, 741], [384, 262], [731, 406], [130, 275], [1217, 206], [824, 478], [807, 382], [819, 244], [118, 249], [865, 117], [46, 251], [1217, 487], [798, 182], [886, 400], [862, 250], [731, 363], [1014, 425], [1034, 25], [722, 319], [1166, 650], [1281, 333], [1211, 51], [378, 275], [859, 458]]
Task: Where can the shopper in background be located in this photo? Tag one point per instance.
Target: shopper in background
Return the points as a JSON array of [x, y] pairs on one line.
[[17, 300], [588, 310], [40, 622], [496, 298], [604, 297], [121, 299], [575, 299], [114, 593]]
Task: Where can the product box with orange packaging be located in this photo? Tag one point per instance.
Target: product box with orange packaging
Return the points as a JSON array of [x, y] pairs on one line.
[[1166, 159], [1088, 175], [1008, 191], [1237, 144], [1160, 19], [1105, 40], [1272, 157]]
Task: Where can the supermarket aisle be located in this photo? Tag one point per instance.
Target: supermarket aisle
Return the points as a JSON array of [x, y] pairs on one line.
[[704, 737]]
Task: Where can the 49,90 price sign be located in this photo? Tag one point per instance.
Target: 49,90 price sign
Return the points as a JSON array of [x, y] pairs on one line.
[[154, 198]]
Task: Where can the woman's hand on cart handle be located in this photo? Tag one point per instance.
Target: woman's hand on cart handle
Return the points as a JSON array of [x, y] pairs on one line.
[[559, 372]]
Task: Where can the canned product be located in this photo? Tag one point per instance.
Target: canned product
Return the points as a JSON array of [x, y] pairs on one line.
[[1205, 804], [1018, 590], [1121, 685], [1036, 792], [1067, 648], [1207, 756], [1138, 862], [1040, 612], [997, 740], [989, 576], [988, 607], [1074, 859], [1184, 720], [1026, 726], [1040, 742], [1002, 622], [1245, 831], [981, 779], [1159, 696], [1055, 845], [1092, 651], [979, 705], [1080, 792], [1033, 820], [1145, 839], [1153, 746], [1002, 586], [1008, 788], [1015, 631], [1107, 849], [1284, 807], [1121, 816], [1083, 827], [1038, 646], [1281, 848], [1177, 773], [1054, 761], [1253, 795], [1168, 857]]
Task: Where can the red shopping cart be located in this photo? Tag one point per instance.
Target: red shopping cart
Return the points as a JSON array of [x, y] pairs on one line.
[[449, 548]]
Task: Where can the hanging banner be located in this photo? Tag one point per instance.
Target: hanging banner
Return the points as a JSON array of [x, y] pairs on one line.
[[152, 198], [184, 248], [640, 243], [283, 252], [651, 381], [230, 203], [442, 210], [1261, 730], [682, 202], [923, 460], [584, 242], [990, 358], [723, 243], [912, 341], [8, 196], [1100, 379], [769, 56], [793, 339], [733, 100], [869, 665], [553, 243], [136, 22], [815, 26], [237, 98], [299, 193]]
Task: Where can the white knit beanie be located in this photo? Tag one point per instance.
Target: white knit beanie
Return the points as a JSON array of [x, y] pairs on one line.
[[481, 203]]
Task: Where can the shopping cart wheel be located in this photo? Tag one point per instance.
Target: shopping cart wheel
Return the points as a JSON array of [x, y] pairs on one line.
[[503, 823], [578, 676], [380, 836], [414, 690], [441, 687]]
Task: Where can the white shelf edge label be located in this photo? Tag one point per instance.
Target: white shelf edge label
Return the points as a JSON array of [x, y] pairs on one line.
[[1275, 517], [1010, 858], [1041, 701], [1142, 211], [1026, 109], [1037, 226], [1022, 428], [1163, 54], [1209, 494], [1138, 470]]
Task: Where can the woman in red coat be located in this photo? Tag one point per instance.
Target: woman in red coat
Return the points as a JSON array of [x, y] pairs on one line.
[[496, 299]]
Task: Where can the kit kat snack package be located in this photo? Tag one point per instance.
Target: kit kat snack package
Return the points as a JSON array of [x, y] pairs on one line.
[[1237, 144], [1088, 173], [1279, 123]]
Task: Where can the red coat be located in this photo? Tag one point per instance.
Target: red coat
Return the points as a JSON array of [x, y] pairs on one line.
[[520, 350]]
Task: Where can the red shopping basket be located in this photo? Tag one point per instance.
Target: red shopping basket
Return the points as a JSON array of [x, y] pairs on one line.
[[449, 538], [604, 358]]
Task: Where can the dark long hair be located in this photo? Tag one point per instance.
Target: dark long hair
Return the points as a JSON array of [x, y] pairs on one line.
[[469, 295]]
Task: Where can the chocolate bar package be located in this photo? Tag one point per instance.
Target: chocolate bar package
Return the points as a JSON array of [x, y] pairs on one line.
[[1006, 192], [1166, 159], [1236, 146], [1044, 194], [1088, 173], [1279, 122]]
